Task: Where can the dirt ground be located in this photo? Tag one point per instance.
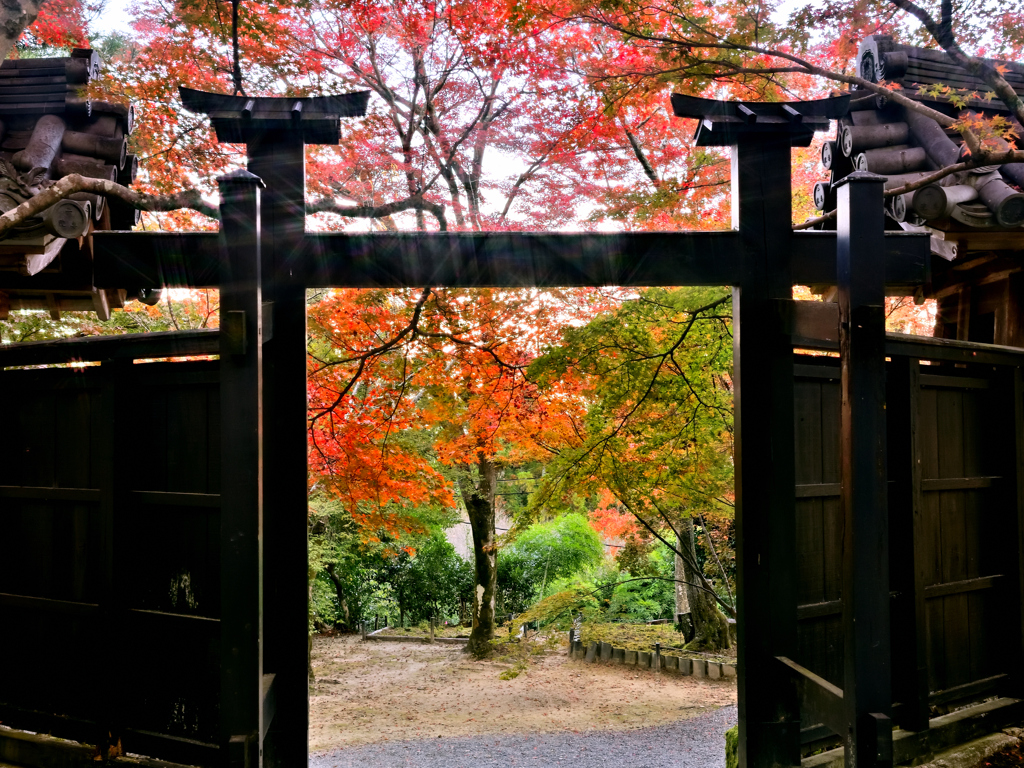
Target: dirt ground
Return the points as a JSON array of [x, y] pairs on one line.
[[375, 691]]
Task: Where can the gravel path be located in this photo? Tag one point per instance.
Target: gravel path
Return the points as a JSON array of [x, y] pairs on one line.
[[698, 742]]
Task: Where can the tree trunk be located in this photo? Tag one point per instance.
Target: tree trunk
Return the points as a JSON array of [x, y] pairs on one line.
[[710, 626], [479, 501], [15, 17], [342, 602], [682, 595]]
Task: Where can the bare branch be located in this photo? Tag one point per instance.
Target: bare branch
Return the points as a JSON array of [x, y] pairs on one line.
[[644, 162], [975, 161], [413, 202], [69, 185], [943, 34]]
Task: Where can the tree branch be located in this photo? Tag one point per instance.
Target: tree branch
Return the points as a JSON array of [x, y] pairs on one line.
[[413, 202], [644, 162], [943, 33], [975, 161], [69, 185]]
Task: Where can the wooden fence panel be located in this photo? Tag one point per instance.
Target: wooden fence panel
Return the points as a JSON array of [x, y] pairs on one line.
[[117, 611], [967, 489]]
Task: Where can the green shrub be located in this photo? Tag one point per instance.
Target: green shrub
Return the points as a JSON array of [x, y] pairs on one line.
[[732, 747]]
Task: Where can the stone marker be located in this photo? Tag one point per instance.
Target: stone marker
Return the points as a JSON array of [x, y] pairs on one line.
[[631, 658], [618, 655], [685, 666], [644, 660], [728, 670], [714, 670], [700, 668], [606, 651], [656, 658], [591, 651], [671, 663]]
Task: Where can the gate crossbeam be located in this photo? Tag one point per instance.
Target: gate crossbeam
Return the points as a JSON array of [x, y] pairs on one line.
[[505, 259]]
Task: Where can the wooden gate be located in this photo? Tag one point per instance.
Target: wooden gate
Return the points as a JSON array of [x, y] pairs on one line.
[[954, 523], [110, 531]]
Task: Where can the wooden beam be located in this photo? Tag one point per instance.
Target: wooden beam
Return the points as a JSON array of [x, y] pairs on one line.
[[968, 690], [959, 587], [46, 605], [817, 490], [957, 483], [817, 320], [936, 349], [963, 314], [981, 240], [817, 610], [131, 346], [820, 699], [466, 259]]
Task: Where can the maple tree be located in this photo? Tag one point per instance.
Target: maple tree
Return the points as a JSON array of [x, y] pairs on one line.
[[657, 434], [740, 51], [485, 116], [420, 393]]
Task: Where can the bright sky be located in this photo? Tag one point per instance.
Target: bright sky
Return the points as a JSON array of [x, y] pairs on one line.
[[113, 18]]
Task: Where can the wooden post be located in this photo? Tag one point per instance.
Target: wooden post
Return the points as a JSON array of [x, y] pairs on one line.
[[867, 696], [241, 404], [278, 157], [769, 717]]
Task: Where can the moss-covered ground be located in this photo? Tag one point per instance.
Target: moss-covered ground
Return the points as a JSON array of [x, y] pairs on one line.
[[642, 637]]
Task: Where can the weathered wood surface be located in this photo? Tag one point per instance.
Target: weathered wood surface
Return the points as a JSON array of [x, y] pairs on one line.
[[510, 259], [953, 478], [81, 513]]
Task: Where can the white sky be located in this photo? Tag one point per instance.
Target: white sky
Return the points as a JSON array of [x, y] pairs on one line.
[[114, 17]]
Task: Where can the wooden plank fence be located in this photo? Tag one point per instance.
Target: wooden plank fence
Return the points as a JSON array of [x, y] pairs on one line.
[[110, 523], [954, 519]]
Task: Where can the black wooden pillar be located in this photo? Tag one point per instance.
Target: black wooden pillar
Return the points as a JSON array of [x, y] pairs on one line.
[[278, 157], [769, 717], [276, 130], [860, 273], [241, 684]]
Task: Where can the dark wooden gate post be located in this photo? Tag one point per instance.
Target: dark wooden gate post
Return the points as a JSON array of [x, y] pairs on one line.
[[769, 714], [278, 157], [241, 399], [276, 130], [860, 272], [761, 136]]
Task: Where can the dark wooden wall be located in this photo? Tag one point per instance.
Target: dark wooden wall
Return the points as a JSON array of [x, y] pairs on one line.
[[110, 569], [953, 528], [110, 541]]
